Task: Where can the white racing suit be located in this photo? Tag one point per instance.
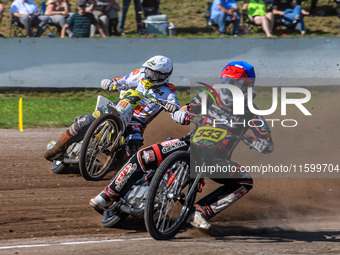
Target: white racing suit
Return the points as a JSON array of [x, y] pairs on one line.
[[143, 114]]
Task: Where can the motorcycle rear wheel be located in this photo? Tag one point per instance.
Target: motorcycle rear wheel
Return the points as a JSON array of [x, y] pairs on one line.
[[99, 148], [167, 206]]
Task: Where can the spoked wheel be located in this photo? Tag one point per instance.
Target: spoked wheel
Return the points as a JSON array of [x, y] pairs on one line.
[[99, 148], [168, 205]]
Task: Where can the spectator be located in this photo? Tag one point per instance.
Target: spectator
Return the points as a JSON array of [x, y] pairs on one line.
[[29, 16], [312, 9], [2, 8], [291, 13], [81, 22], [224, 12], [58, 11], [100, 15], [337, 7], [90, 4], [126, 4], [257, 14], [112, 12]]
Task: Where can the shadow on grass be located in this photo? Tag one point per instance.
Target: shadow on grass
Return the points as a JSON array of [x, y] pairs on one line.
[[196, 30], [282, 31], [325, 11]]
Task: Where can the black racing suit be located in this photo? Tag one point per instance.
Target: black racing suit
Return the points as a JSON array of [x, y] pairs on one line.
[[236, 185], [238, 182], [145, 159]]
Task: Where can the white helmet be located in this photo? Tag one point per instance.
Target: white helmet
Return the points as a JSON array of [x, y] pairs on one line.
[[158, 70]]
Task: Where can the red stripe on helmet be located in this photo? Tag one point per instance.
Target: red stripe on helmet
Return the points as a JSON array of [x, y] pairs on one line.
[[234, 72]]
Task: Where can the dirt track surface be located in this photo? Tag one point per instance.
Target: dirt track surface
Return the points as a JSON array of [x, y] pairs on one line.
[[279, 216]]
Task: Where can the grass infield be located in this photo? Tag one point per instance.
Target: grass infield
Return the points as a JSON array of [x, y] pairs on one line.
[[58, 109]]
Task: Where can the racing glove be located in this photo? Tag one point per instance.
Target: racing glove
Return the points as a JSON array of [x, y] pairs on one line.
[[259, 144], [182, 117], [170, 107], [109, 85]]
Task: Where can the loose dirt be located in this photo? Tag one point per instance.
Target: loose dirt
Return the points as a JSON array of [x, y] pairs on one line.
[[279, 216]]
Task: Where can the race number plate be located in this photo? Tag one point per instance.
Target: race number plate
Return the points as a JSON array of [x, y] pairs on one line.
[[131, 97], [209, 133]]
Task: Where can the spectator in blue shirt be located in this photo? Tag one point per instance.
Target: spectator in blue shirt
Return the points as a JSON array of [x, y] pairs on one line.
[[29, 16], [224, 12]]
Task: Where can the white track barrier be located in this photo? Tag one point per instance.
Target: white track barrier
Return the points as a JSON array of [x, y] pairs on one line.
[[62, 63]]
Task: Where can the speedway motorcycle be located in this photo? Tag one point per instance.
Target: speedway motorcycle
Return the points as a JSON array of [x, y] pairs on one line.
[[72, 154], [173, 188], [103, 148], [166, 196]]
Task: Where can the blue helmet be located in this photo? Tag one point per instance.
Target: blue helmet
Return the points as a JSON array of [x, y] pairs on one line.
[[238, 73]]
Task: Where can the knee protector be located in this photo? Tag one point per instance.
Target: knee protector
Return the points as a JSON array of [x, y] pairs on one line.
[[80, 126]]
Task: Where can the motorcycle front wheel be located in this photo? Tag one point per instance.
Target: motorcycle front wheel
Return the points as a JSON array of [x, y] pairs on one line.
[[168, 205], [99, 147]]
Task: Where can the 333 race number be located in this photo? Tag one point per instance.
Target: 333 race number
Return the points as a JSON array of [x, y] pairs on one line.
[[210, 134]]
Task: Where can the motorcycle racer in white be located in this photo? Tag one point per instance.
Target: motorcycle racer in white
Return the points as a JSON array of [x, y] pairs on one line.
[[151, 79]]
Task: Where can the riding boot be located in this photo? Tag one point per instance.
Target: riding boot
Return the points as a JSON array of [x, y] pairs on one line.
[[103, 200], [59, 148]]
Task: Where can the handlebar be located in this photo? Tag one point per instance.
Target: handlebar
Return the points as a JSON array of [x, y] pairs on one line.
[[158, 101], [247, 139]]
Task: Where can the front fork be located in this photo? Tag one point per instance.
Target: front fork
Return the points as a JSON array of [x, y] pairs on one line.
[[193, 189]]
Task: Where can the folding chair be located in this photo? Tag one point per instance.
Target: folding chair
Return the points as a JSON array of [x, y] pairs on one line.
[[279, 22], [213, 25], [208, 14], [51, 28], [252, 26], [16, 29]]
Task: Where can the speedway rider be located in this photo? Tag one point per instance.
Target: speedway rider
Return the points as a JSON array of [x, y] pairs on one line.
[[236, 185], [151, 79]]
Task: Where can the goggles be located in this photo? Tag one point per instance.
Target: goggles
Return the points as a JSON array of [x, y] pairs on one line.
[[241, 83], [155, 76]]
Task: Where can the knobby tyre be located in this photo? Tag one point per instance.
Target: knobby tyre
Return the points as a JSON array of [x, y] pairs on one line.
[[98, 150], [167, 206]]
